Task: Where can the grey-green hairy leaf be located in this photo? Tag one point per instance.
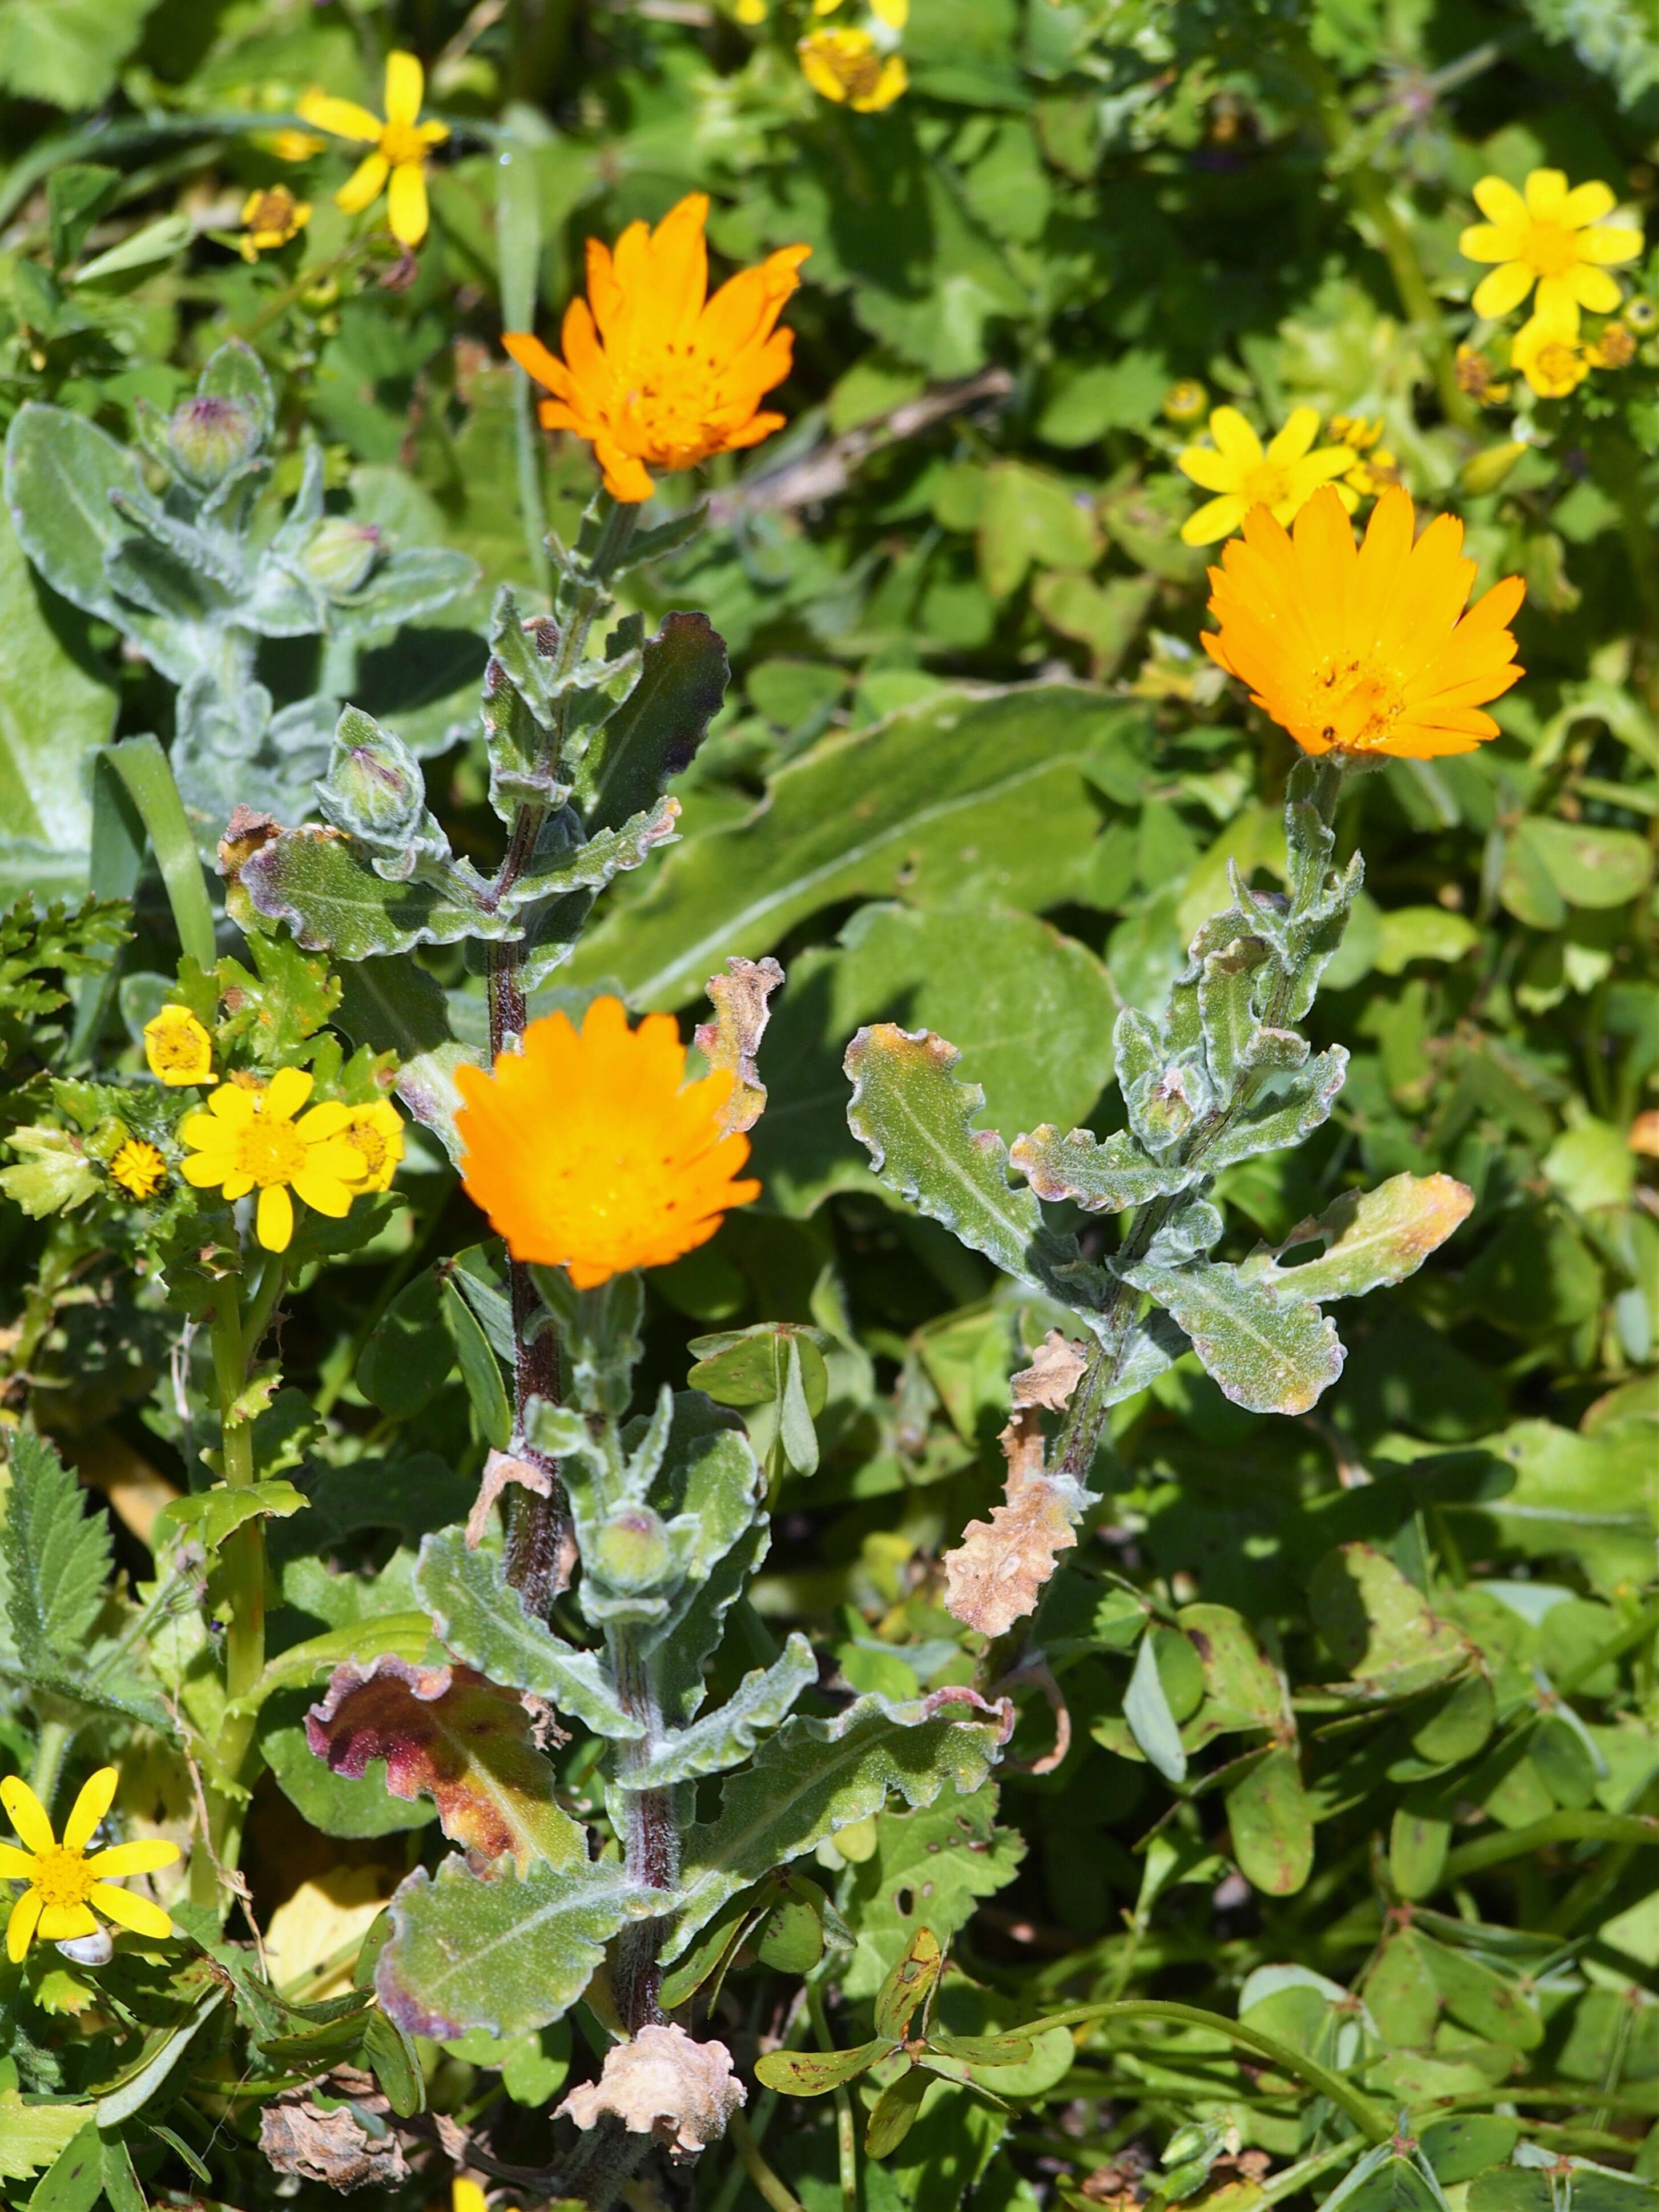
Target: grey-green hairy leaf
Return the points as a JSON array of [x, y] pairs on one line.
[[1269, 1351]]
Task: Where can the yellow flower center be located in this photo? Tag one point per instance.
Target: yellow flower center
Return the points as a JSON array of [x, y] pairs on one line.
[[270, 1152], [1359, 703], [1266, 485], [403, 142], [138, 1168], [173, 1047], [370, 1143], [1558, 364], [1552, 249], [61, 1877]]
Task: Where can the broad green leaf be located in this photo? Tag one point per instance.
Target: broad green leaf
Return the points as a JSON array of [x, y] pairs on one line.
[[1586, 1498], [1379, 1626], [815, 2073], [969, 798], [653, 734], [1583, 865], [163, 2051], [916, 1122], [492, 1414], [32, 2134], [67, 51], [729, 1735], [410, 1351], [1028, 519], [332, 1803], [907, 1987], [895, 2112], [480, 1619], [1370, 1237], [217, 1513], [1151, 1723], [446, 1733], [323, 886], [930, 1868], [506, 1953], [814, 1777], [1269, 1352], [61, 471], [359, 1642], [53, 716], [1484, 2000], [1271, 1822], [54, 1555], [75, 2181], [1242, 1688], [1030, 1009]]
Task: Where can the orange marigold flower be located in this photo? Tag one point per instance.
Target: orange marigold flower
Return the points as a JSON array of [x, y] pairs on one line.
[[589, 1150], [1366, 650], [655, 374]]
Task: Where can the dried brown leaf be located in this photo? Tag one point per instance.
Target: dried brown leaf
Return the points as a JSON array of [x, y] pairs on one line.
[[996, 1572], [664, 2084], [733, 1039], [499, 1469], [331, 2146], [1053, 1374]]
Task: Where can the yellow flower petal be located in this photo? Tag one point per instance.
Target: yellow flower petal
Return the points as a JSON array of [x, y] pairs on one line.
[[27, 1816], [235, 1103], [203, 1170], [238, 1182], [1593, 288], [406, 206], [20, 1925], [1586, 204], [1610, 244], [1300, 430], [287, 1092], [324, 1121], [1500, 203], [142, 1857], [1492, 241], [62, 1923], [364, 185], [344, 118], [15, 1865], [323, 1193], [1234, 437], [97, 1796], [1219, 519], [1546, 191], [1505, 290], [138, 1913], [1210, 470], [406, 88], [274, 1218]]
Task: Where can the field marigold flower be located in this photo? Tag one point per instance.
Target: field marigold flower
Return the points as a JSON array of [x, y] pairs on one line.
[[177, 1048], [64, 1883], [656, 374], [1367, 651], [401, 145], [1281, 478], [269, 219], [138, 1168], [589, 1150], [376, 1132], [246, 1138], [847, 66], [1550, 237]]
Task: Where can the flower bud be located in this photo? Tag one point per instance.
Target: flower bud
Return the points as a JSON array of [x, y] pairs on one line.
[[374, 786], [210, 435], [1186, 402], [341, 554], [1483, 472], [631, 1550]]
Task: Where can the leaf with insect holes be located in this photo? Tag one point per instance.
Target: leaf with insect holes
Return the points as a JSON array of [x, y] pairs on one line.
[[446, 1733]]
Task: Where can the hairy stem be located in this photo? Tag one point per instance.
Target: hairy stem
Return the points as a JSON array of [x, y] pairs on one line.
[[240, 1591]]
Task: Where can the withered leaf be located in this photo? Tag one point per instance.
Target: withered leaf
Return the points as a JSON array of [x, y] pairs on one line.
[[666, 2084], [1053, 1374], [733, 1039]]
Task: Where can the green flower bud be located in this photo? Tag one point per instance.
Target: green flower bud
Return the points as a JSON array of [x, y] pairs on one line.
[[1483, 472], [210, 435], [342, 553], [374, 786], [631, 1552]]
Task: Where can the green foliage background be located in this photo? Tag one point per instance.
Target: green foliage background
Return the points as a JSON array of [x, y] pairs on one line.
[[972, 774]]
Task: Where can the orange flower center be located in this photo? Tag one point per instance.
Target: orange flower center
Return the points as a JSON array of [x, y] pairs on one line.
[[1552, 248], [272, 210], [270, 1152], [860, 73], [1358, 702], [61, 1878]]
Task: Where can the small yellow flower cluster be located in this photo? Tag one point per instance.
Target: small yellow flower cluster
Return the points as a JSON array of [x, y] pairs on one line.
[[856, 65], [62, 1884], [247, 1138], [269, 218], [1282, 476], [1373, 468], [1556, 238]]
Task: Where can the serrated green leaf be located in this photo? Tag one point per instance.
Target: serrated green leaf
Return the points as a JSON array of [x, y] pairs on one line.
[[930, 1866], [32, 2134], [214, 1513], [654, 735], [54, 1555], [322, 884]]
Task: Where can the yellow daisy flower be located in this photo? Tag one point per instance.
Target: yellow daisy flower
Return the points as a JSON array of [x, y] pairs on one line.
[[177, 1047], [246, 1138], [64, 1883], [138, 1168], [1548, 351], [589, 1150], [1282, 479], [376, 1132], [269, 219], [848, 67], [1549, 236], [401, 145]]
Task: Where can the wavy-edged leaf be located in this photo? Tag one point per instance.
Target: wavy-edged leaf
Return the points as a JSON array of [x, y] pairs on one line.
[[1371, 1238], [1103, 1175], [653, 734], [1283, 1116], [916, 1121], [728, 1735], [1268, 1352], [507, 1952], [321, 884]]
